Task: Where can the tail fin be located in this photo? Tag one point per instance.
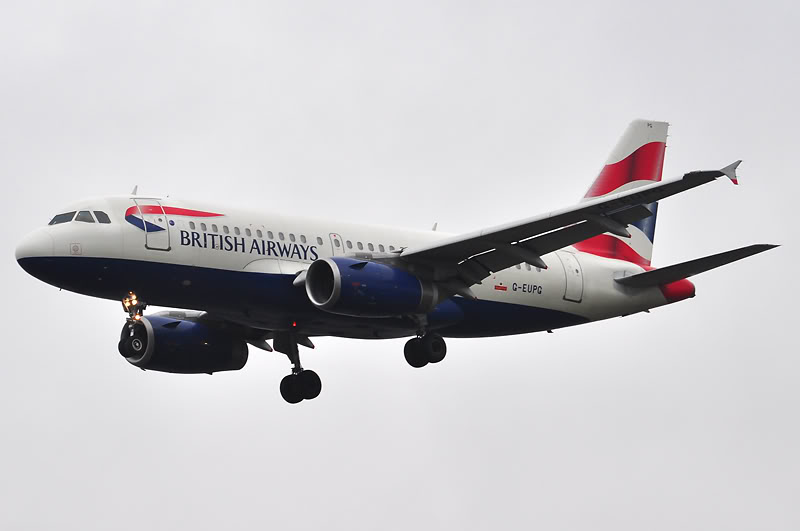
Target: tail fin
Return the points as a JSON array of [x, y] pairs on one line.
[[637, 160]]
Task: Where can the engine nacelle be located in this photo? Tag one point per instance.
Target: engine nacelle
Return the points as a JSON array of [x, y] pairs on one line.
[[348, 286], [180, 343]]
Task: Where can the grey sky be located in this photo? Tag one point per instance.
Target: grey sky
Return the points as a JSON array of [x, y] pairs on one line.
[[407, 113]]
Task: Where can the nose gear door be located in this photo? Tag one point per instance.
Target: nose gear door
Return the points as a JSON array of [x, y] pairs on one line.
[[155, 224]]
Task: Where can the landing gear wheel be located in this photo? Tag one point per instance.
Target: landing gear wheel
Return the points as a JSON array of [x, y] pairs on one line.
[[290, 391], [434, 347], [414, 353], [132, 344], [308, 384]]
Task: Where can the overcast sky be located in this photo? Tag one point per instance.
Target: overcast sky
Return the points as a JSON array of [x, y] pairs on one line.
[[408, 113]]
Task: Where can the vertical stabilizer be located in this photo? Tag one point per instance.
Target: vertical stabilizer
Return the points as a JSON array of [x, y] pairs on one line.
[[636, 160]]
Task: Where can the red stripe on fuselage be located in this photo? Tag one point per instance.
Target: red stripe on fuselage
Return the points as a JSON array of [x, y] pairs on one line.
[[172, 211], [611, 247], [644, 164]]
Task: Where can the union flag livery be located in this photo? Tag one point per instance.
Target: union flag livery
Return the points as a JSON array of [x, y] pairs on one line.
[[256, 278], [637, 160]]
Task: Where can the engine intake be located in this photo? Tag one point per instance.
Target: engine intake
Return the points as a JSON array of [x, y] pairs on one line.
[[177, 343], [361, 288]]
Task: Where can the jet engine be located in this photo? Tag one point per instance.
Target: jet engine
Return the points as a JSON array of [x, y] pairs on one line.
[[348, 286], [181, 342]]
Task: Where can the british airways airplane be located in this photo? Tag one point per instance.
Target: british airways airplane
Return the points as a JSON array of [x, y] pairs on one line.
[[248, 278]]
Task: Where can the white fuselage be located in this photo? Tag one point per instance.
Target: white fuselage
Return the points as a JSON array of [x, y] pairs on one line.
[[276, 246]]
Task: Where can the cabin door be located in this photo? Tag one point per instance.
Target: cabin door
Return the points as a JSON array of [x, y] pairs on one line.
[[572, 269], [154, 223]]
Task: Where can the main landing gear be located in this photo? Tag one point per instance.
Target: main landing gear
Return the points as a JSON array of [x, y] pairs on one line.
[[427, 348], [302, 384]]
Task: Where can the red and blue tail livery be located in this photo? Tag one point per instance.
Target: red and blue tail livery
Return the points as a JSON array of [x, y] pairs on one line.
[[637, 160], [273, 282]]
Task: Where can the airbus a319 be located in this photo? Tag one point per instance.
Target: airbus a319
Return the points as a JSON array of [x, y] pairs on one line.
[[249, 278]]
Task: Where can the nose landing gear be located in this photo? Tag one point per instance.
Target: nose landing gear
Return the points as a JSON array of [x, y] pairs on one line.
[[133, 306], [428, 348], [133, 340]]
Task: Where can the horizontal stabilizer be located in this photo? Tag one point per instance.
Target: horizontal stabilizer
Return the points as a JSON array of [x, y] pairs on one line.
[[673, 273]]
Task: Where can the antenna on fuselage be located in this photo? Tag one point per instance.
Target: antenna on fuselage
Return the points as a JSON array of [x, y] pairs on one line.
[[434, 226], [135, 189]]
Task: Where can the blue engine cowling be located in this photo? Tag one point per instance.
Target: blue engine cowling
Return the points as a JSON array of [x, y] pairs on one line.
[[348, 286], [182, 342]]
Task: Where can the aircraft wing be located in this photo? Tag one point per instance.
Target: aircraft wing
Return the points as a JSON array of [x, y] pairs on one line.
[[474, 256]]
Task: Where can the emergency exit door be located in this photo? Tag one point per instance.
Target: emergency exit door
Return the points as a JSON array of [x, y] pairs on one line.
[[337, 244]]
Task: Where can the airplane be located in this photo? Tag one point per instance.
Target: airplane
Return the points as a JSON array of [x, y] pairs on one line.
[[247, 277]]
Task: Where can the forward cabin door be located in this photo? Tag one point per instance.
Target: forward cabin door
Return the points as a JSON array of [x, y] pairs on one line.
[[337, 244], [155, 224], [574, 275]]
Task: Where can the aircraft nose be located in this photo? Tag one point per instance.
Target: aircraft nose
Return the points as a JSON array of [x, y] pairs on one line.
[[36, 244]]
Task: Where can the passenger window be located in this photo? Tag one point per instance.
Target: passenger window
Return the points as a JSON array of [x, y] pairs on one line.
[[391, 248], [519, 266], [225, 229], [236, 231], [319, 240], [302, 239], [62, 218], [102, 217], [259, 233], [360, 246], [381, 248], [337, 243], [203, 227], [528, 267], [291, 237], [214, 227], [280, 235], [371, 247], [349, 244], [270, 235], [84, 216], [248, 232], [192, 225]]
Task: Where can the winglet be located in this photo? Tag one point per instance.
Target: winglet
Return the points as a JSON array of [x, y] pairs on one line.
[[730, 171]]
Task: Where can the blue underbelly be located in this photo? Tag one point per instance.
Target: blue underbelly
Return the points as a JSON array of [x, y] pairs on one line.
[[270, 301]]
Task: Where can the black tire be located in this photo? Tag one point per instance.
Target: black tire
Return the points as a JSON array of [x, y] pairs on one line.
[[309, 384], [415, 355], [133, 346], [434, 347], [289, 389]]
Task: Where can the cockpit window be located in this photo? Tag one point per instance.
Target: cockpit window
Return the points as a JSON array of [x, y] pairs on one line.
[[85, 216], [101, 216], [62, 218]]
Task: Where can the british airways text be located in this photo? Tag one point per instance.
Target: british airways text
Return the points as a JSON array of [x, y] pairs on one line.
[[226, 242]]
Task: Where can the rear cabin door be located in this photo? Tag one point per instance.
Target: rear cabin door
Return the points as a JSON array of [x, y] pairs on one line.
[[155, 224], [337, 244], [574, 275]]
